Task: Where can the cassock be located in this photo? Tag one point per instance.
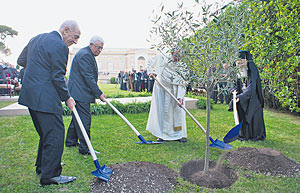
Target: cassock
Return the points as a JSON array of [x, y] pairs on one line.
[[166, 119], [250, 106]]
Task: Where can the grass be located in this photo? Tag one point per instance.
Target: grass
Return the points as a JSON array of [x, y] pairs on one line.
[[6, 103], [116, 142], [113, 90]]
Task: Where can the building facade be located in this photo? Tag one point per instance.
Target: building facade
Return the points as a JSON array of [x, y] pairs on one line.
[[113, 60]]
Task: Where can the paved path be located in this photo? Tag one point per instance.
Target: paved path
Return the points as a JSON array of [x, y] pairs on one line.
[[16, 109]]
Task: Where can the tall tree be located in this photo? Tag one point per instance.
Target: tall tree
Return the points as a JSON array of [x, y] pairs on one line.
[[272, 36], [4, 32]]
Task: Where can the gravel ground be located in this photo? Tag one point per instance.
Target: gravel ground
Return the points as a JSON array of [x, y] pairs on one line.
[[137, 177]]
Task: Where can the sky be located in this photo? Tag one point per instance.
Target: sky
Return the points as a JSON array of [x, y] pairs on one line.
[[121, 23]]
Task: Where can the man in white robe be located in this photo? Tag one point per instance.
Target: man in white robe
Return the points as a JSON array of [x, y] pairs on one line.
[[166, 119]]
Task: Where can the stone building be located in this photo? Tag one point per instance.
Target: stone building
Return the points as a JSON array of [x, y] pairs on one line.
[[113, 60]]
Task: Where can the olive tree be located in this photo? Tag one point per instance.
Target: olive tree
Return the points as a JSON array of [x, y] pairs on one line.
[[206, 40]]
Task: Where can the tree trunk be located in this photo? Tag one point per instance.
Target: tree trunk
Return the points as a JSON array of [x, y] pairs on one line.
[[206, 163]]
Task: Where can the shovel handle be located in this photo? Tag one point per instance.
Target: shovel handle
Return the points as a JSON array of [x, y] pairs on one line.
[[235, 113], [86, 137], [120, 114], [181, 105]]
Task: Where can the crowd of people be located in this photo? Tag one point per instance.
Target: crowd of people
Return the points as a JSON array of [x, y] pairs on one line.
[[135, 81], [10, 76]]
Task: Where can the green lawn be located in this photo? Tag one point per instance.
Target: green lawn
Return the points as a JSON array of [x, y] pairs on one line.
[[6, 103], [112, 90], [116, 142]]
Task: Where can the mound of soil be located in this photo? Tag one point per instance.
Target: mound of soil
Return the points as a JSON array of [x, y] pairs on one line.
[[137, 177], [151, 177], [218, 176], [265, 160]]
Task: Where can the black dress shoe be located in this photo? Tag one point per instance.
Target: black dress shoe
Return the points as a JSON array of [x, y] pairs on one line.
[[160, 140], [182, 140], [57, 180]]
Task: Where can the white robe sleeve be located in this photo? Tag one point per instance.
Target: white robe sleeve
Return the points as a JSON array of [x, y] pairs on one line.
[[181, 92]]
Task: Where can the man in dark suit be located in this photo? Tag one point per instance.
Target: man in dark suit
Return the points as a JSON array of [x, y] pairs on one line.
[[83, 88], [44, 88]]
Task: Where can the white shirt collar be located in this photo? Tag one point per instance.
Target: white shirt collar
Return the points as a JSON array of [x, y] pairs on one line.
[[60, 35]]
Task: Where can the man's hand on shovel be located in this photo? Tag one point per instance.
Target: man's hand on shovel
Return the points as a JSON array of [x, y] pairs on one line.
[[70, 102], [102, 97], [234, 92], [180, 102]]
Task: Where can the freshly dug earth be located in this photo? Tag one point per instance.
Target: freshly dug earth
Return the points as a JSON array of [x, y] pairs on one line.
[[150, 177], [265, 160], [137, 177], [218, 175]]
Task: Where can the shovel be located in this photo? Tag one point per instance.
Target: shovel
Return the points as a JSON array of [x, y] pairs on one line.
[[143, 141], [215, 143], [234, 132], [101, 172]]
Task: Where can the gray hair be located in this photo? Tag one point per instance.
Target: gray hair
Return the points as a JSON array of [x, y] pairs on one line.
[[94, 39], [69, 23]]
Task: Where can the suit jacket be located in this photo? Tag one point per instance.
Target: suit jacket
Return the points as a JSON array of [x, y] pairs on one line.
[[44, 88], [83, 77]]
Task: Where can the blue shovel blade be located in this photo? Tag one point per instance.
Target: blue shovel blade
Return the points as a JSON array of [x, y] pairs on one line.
[[106, 170], [143, 141], [233, 133], [220, 144], [227, 146], [149, 142], [100, 174]]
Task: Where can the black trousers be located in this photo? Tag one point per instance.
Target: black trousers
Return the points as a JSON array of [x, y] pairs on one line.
[[51, 130], [74, 133]]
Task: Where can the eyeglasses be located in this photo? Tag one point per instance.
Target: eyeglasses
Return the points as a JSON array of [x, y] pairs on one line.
[[99, 47]]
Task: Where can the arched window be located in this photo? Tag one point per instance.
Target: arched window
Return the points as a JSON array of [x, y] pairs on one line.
[[141, 58], [141, 62]]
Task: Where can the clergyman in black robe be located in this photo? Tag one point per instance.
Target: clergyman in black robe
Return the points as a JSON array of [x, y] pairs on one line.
[[250, 104]]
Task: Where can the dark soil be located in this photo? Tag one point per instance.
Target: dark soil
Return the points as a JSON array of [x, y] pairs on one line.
[[137, 177], [218, 176], [150, 177], [265, 160]]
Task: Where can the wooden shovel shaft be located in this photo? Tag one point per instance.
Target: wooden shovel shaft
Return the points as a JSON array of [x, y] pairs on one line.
[[86, 137], [127, 122], [235, 113], [181, 105]]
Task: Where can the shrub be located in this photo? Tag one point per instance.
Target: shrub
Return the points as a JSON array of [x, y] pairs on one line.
[[112, 80], [130, 94], [201, 103], [98, 109]]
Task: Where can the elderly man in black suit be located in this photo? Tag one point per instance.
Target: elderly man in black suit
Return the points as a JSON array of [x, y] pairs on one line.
[[83, 88], [44, 88]]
